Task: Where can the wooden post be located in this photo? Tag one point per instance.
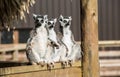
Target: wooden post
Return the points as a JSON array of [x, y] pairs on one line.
[[15, 36], [2, 56], [90, 60], [15, 41]]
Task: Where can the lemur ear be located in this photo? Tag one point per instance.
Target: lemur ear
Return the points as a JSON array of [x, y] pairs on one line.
[[70, 18], [55, 20], [45, 17], [61, 17], [34, 16]]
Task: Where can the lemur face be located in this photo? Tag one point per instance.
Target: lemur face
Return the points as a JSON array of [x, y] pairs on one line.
[[65, 21], [39, 20], [51, 23]]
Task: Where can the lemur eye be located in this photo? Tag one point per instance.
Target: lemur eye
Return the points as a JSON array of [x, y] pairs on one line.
[[37, 20], [65, 21], [49, 23], [42, 21], [60, 19], [51, 27]]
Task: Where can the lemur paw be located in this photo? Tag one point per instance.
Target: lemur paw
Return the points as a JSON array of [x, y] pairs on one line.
[[70, 62], [50, 66], [42, 63], [64, 64]]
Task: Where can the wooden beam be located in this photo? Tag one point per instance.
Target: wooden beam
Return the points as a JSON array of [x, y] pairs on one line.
[[12, 47], [109, 54], [35, 68], [89, 42]]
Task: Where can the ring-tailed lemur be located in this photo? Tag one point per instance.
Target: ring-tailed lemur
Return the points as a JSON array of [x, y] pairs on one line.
[[74, 50], [58, 49], [52, 42], [37, 43]]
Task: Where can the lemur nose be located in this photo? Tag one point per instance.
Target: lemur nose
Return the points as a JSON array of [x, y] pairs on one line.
[[64, 21], [49, 23], [42, 21]]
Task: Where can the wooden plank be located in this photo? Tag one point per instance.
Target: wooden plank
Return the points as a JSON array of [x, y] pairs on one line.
[[68, 72], [33, 68], [106, 43], [109, 61], [111, 43], [11, 47], [110, 72], [107, 69], [109, 54]]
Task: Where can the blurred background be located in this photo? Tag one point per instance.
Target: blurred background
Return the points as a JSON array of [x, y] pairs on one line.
[[108, 27]]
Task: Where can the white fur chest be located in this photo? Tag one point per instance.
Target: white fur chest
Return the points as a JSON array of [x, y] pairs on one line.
[[67, 39], [52, 35], [39, 41]]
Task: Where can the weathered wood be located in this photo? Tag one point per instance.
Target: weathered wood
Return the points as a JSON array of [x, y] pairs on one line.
[[110, 67], [11, 47], [15, 55], [89, 42], [37, 68], [15, 41], [110, 43], [15, 36], [109, 54], [109, 71], [109, 62], [2, 57]]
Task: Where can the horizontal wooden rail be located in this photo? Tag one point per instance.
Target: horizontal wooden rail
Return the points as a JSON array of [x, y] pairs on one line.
[[12, 47], [112, 43], [107, 68], [109, 54], [33, 68]]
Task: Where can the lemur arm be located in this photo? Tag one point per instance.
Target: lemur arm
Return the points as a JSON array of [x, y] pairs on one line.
[[54, 43], [65, 45], [72, 37], [59, 37]]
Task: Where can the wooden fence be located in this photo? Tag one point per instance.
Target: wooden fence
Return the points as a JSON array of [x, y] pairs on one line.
[[109, 63], [38, 71], [16, 47]]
